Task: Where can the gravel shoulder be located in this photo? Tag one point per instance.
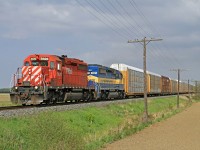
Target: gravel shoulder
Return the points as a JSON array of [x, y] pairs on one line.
[[180, 132]]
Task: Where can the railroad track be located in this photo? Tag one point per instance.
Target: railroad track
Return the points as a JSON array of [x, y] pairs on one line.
[[15, 107], [50, 105], [30, 109], [13, 111], [63, 104]]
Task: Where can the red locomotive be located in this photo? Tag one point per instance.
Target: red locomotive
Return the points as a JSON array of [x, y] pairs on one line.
[[46, 78]]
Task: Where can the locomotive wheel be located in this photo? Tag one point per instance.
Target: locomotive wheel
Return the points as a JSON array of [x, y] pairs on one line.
[[85, 96], [121, 95], [104, 96], [47, 102], [90, 97]]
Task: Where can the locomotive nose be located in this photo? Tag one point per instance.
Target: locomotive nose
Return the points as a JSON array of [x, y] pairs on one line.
[[32, 75], [29, 70]]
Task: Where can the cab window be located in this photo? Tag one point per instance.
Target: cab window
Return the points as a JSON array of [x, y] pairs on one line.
[[44, 63], [102, 71], [82, 67], [41, 63], [116, 76], [26, 63], [35, 63], [52, 65]]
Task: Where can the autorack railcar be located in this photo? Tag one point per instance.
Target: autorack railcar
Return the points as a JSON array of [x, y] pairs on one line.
[[133, 79], [165, 85], [154, 84]]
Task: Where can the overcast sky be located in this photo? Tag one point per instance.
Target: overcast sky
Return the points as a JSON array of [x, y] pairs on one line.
[[97, 31]]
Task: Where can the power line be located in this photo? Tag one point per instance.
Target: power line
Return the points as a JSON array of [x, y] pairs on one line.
[[129, 17], [105, 17], [99, 10], [149, 24], [116, 22], [133, 20], [102, 21], [120, 19]]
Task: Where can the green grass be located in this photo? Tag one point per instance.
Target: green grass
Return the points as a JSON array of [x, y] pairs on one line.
[[88, 128], [44, 131], [196, 97], [5, 100]]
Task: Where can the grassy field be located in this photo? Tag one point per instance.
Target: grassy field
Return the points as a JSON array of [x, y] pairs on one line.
[[5, 100], [88, 128]]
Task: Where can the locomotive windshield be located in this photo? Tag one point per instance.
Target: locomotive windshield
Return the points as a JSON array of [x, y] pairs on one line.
[[26, 63], [39, 63]]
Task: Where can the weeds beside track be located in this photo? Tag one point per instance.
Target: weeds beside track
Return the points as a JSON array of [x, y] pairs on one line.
[[86, 128]]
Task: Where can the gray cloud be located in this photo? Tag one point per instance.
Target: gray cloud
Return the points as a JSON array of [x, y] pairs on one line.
[[45, 26], [24, 20]]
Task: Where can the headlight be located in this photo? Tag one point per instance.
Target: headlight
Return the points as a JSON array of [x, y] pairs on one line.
[[16, 88]]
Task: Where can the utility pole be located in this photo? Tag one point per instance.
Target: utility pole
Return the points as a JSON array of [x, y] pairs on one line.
[[144, 42], [178, 70], [189, 95], [196, 87]]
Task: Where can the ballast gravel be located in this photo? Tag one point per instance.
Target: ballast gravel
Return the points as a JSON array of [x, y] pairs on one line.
[[71, 106]]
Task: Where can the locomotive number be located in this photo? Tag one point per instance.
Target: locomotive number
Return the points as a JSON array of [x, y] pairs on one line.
[[44, 58], [69, 70], [33, 58]]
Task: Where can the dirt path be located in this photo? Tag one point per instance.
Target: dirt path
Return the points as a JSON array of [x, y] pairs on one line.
[[180, 132]]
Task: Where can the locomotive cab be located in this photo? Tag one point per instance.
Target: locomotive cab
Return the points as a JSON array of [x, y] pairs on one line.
[[33, 78]]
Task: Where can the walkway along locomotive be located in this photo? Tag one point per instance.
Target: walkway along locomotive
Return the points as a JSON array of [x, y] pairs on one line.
[[46, 78]]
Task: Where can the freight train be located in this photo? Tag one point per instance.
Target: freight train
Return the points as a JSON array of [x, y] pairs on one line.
[[50, 79], [47, 79]]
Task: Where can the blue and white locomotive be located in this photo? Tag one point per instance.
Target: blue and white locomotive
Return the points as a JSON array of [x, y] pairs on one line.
[[106, 81]]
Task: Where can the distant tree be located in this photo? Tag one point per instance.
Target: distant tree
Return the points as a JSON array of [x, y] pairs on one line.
[[5, 90], [196, 91]]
